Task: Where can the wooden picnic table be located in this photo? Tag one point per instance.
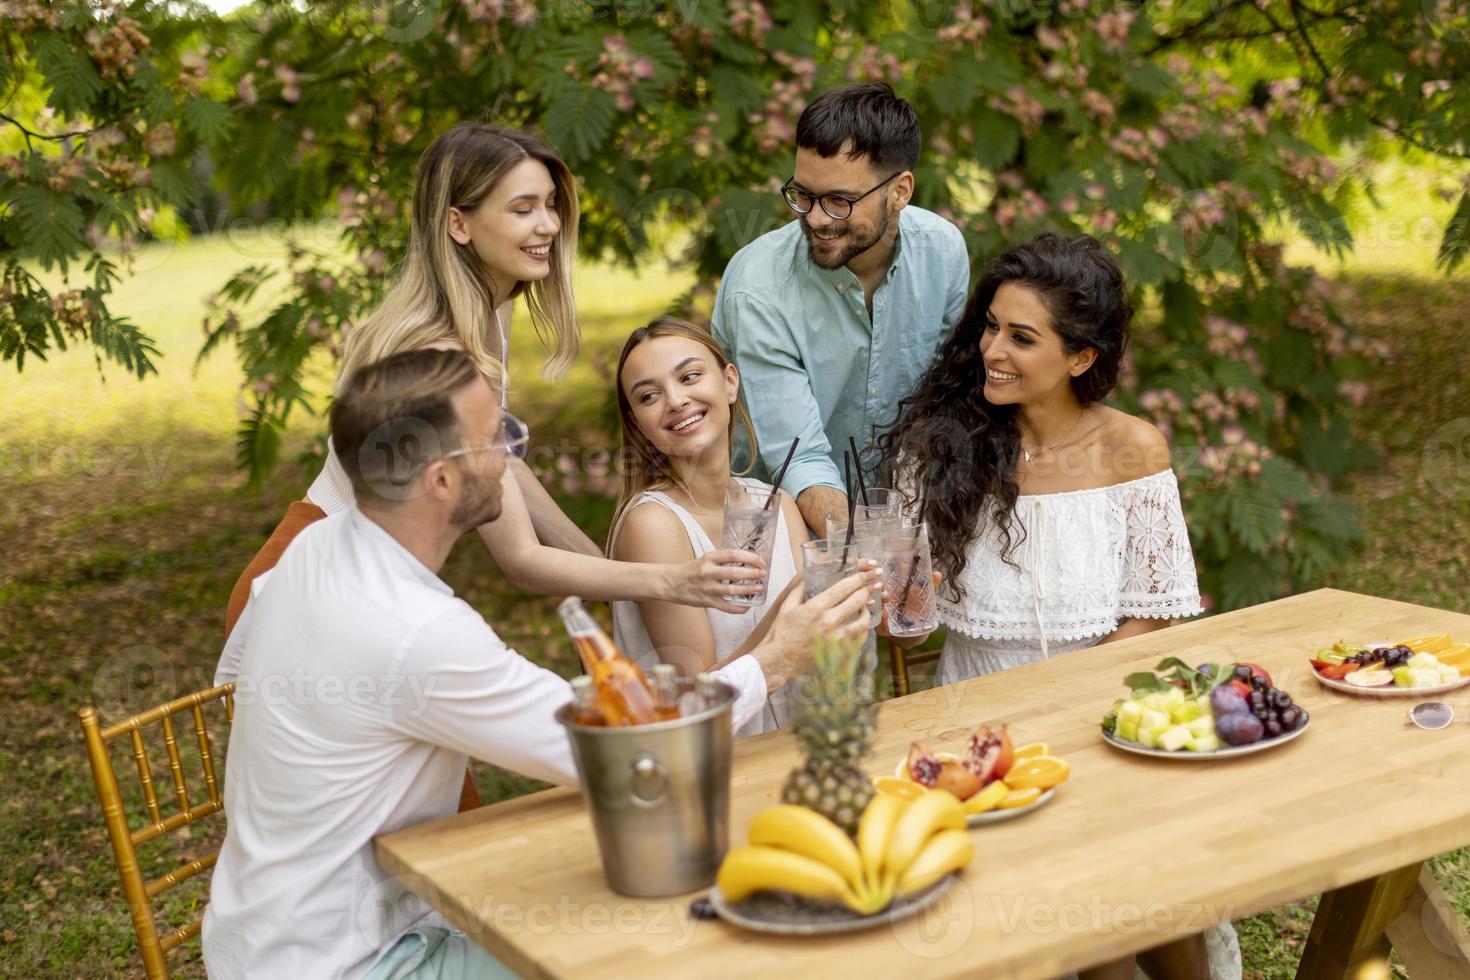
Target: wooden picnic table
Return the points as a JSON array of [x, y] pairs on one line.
[[1132, 851]]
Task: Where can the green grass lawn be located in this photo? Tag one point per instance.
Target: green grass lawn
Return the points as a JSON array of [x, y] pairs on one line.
[[126, 523]]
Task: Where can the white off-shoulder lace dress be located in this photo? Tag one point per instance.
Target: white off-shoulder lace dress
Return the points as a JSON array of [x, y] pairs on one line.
[[1083, 561]]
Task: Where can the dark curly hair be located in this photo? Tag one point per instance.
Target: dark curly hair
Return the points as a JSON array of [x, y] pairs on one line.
[[968, 448]]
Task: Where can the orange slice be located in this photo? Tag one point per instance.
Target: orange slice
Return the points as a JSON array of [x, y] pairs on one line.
[[1432, 643], [1456, 655], [1040, 773], [1019, 797], [904, 789], [1032, 751], [988, 798]]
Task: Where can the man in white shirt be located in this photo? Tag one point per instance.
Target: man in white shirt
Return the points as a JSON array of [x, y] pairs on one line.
[[363, 684]]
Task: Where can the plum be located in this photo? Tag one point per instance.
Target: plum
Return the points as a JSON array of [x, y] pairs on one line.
[[1226, 700], [1240, 728]]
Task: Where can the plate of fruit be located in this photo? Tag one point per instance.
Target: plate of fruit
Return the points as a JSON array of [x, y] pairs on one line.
[[993, 780], [1414, 668], [802, 874], [1212, 711]]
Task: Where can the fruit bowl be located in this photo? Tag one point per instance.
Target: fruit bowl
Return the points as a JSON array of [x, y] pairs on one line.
[[1389, 670], [789, 915], [1011, 782], [1213, 711]]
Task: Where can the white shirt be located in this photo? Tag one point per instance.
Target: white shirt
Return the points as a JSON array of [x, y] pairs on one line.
[[728, 629], [362, 686]]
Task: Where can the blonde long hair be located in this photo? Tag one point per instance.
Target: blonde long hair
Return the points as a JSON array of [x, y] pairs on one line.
[[644, 466], [442, 291]]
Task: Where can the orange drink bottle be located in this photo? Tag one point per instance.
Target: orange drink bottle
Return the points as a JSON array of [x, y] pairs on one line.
[[666, 691], [622, 690], [585, 707]]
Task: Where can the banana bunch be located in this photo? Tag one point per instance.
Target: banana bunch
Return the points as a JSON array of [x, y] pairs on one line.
[[902, 847]]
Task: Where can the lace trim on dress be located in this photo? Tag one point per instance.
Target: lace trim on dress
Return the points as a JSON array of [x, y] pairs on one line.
[[1089, 558]]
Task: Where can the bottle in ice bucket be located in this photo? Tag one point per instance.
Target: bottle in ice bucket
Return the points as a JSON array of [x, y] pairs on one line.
[[666, 691], [585, 707], [622, 690]]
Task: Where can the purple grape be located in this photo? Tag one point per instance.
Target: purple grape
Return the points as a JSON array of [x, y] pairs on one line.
[[1239, 729], [1226, 700]]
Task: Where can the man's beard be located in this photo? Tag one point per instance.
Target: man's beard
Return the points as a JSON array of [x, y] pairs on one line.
[[852, 251], [479, 504]]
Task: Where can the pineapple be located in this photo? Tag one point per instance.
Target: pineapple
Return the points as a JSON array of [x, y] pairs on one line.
[[834, 717]]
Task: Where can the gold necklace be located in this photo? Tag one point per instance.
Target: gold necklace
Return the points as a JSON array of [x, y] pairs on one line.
[[1030, 454]]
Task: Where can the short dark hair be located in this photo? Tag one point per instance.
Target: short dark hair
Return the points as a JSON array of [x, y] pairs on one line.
[[393, 417], [868, 119]]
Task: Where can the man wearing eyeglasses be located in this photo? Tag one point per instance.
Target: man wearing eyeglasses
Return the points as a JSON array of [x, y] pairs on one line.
[[363, 683], [833, 318]]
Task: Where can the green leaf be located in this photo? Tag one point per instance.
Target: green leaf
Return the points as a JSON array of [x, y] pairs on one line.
[[69, 74], [50, 225], [207, 119], [997, 138], [258, 444], [1255, 518], [1145, 681], [579, 120], [1455, 244]]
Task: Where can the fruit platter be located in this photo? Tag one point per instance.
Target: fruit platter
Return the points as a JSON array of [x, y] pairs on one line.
[[993, 780], [836, 855], [802, 874], [1211, 711], [1414, 668]]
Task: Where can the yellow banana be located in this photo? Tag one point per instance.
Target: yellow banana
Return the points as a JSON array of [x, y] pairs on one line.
[[751, 869], [936, 810], [808, 833], [874, 830], [948, 850]]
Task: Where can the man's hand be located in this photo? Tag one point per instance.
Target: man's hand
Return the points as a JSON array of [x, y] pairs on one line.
[[840, 613]]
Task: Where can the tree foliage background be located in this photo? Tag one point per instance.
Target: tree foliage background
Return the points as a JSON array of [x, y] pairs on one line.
[[1190, 136]]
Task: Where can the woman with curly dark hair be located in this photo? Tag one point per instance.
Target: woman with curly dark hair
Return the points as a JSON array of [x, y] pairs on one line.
[[1055, 519]]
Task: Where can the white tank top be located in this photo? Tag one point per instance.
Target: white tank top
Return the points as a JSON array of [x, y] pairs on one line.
[[729, 629]]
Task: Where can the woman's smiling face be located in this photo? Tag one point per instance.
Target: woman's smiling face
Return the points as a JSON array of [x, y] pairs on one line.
[[514, 228], [680, 397], [1025, 358]]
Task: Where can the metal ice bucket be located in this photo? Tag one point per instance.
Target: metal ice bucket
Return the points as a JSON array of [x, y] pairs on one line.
[[659, 795]]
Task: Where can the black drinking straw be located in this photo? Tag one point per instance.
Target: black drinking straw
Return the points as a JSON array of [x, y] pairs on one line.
[[858, 461], [851, 501], [781, 473]]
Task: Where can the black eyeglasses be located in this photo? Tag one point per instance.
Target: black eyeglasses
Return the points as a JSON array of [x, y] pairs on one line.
[[837, 206]]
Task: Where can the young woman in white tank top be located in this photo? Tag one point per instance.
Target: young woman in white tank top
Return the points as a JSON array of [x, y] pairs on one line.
[[678, 401]]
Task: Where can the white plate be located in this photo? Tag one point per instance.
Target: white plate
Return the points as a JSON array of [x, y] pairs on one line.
[[1226, 753], [1392, 690], [766, 912]]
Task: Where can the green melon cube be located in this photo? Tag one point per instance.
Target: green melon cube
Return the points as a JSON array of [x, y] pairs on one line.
[[1175, 738], [1203, 743]]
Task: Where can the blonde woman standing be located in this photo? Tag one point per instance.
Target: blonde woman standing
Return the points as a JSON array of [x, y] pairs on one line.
[[495, 218]]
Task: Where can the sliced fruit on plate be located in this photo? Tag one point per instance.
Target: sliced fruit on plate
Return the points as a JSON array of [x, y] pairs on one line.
[[1457, 655], [988, 798], [904, 789], [1432, 643], [1019, 797], [1040, 773], [1041, 748], [1370, 678]]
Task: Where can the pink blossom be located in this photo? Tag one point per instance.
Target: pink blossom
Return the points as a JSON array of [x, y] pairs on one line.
[[246, 89], [643, 68]]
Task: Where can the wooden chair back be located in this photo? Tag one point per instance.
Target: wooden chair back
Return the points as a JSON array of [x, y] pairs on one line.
[[138, 891]]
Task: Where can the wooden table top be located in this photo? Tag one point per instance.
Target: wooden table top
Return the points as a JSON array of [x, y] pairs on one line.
[[1131, 852]]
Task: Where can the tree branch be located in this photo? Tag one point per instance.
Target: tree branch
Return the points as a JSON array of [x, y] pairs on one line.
[[53, 137]]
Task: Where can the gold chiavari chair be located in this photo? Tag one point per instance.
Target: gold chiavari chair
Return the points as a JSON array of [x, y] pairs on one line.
[[901, 660], [139, 892]]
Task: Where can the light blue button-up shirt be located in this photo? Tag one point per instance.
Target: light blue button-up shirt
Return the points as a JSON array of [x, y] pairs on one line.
[[813, 363]]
